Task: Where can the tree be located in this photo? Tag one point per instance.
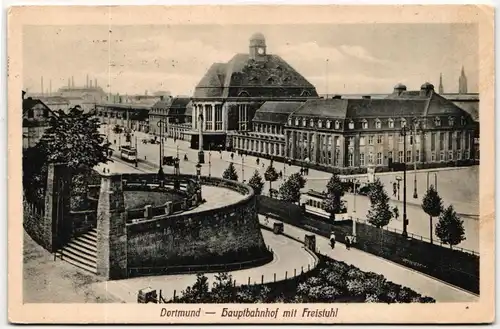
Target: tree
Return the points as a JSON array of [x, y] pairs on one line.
[[432, 205], [379, 214], [223, 290], [230, 173], [256, 182], [117, 129], [74, 139], [198, 293], [289, 191], [271, 175], [450, 228], [334, 192]]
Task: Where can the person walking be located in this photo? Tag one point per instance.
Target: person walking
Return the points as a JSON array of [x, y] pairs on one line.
[[348, 241], [332, 239]]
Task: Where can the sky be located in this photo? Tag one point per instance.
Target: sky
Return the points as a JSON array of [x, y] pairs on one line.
[[336, 59]]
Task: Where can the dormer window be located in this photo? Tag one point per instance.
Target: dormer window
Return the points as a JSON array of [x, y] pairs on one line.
[[304, 122], [296, 122], [305, 93], [289, 122], [378, 124], [403, 122], [311, 123], [320, 124], [351, 124], [337, 124], [391, 123], [437, 122], [463, 122], [364, 124], [451, 121], [328, 124]]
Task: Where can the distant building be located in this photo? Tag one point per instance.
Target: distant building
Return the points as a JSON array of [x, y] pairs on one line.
[[175, 114], [131, 116], [361, 132], [36, 115], [56, 103], [229, 94], [462, 83]]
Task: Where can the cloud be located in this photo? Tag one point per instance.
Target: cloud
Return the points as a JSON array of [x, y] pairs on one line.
[[360, 53]]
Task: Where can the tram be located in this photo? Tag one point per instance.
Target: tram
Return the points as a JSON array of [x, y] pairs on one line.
[[128, 153], [313, 202]]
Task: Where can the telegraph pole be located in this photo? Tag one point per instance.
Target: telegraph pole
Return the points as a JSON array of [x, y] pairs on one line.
[[404, 131]]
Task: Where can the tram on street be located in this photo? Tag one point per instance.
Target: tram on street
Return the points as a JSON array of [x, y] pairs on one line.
[[313, 202], [128, 153]]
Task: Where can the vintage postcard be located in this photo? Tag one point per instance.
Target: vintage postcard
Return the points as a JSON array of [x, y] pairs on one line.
[[251, 164]]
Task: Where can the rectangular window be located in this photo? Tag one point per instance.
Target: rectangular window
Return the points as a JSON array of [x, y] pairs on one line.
[[459, 140], [408, 156], [361, 159], [450, 140], [208, 118], [417, 155], [379, 158], [370, 140], [218, 117], [441, 141], [380, 138], [400, 157], [433, 141], [441, 156], [433, 156], [362, 141], [450, 155], [242, 117], [370, 158]]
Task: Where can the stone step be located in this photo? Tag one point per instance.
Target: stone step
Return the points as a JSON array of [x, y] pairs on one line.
[[69, 252], [91, 247], [88, 239], [79, 249], [77, 263]]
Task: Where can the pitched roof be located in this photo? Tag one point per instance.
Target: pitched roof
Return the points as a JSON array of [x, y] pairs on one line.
[[29, 103], [173, 106], [275, 112], [245, 75], [407, 104]]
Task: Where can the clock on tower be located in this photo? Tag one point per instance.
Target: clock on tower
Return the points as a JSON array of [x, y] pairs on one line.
[[260, 51], [258, 47]]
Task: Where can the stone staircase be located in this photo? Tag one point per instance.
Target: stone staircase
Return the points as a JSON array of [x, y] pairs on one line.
[[82, 251]]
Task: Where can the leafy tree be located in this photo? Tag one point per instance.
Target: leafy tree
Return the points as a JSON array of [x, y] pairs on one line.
[[271, 175], [256, 182], [223, 290], [379, 214], [74, 139], [334, 192], [289, 191], [432, 205], [199, 292], [395, 211], [450, 228], [117, 129], [230, 173]]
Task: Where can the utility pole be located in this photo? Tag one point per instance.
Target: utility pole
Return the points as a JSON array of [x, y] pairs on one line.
[[404, 131]]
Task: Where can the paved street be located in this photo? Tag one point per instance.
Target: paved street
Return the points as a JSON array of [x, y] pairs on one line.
[[421, 283], [456, 185], [289, 258]]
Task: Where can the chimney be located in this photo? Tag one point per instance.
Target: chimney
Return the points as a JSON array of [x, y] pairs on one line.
[[366, 97], [426, 89], [399, 89], [87, 84]]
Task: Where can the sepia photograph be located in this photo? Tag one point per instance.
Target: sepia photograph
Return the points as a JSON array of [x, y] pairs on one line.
[[242, 169]]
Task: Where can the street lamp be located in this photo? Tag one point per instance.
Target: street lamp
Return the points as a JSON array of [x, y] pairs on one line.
[[416, 125], [209, 162], [177, 172], [160, 124], [136, 153], [399, 179], [242, 167], [404, 132]]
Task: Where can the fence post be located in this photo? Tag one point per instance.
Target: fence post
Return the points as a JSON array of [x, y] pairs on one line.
[[175, 291], [286, 275], [262, 279], [248, 280], [274, 277], [294, 272]]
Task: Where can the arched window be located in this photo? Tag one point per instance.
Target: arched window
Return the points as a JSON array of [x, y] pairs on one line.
[[451, 121], [296, 121], [243, 94], [305, 93], [403, 122], [378, 124], [364, 124], [437, 122], [463, 122], [304, 122], [351, 124], [337, 124], [320, 124], [391, 123], [311, 123], [328, 124], [289, 122]]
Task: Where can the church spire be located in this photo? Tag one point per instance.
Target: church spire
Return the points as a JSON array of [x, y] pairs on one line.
[[441, 88], [462, 82]]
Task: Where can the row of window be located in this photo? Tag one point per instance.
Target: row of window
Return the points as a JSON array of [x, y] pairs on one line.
[[377, 125], [260, 146], [209, 114], [368, 159], [268, 129]]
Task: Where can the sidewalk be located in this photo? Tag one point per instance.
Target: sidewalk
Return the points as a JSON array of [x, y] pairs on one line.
[[419, 282]]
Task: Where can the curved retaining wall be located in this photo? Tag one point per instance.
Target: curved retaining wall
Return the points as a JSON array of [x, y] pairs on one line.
[[224, 237]]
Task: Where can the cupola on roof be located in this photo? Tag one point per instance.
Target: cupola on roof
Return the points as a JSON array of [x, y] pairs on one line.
[[257, 39]]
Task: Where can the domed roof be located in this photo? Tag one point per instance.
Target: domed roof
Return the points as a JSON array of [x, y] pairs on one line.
[[427, 85], [258, 36], [400, 86]]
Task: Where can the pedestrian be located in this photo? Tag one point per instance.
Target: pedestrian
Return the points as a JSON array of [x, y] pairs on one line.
[[262, 164], [281, 174], [348, 242], [257, 161], [266, 220], [332, 239], [232, 156], [394, 189]]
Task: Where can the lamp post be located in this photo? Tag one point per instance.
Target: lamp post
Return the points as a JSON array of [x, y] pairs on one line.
[[198, 171], [136, 153], [284, 167], [160, 161], [209, 162], [242, 167], [404, 131], [177, 172], [416, 125], [399, 179], [201, 154]]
